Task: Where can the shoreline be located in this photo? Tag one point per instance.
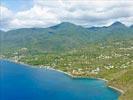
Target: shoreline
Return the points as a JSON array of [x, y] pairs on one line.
[[121, 91], [66, 73], [112, 87]]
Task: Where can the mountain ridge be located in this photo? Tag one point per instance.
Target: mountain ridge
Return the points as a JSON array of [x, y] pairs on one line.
[[63, 36], [71, 24]]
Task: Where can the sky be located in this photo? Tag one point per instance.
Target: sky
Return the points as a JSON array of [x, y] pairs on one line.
[[16, 14]]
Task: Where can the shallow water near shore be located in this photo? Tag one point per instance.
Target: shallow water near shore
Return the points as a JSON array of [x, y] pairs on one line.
[[20, 82]]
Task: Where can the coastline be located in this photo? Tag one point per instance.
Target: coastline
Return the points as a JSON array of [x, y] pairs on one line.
[[112, 87], [68, 74], [121, 91]]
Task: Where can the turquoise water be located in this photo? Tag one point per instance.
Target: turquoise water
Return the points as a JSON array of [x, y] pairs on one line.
[[20, 82]]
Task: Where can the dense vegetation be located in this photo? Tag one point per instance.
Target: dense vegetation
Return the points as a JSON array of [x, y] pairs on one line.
[[105, 52]]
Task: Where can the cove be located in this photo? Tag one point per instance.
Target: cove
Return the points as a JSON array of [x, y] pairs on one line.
[[21, 82]]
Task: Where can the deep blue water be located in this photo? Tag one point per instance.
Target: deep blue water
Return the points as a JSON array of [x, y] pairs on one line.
[[20, 82]]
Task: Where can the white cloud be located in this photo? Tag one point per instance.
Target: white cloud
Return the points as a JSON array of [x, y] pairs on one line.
[[35, 17], [45, 13], [5, 13], [6, 16]]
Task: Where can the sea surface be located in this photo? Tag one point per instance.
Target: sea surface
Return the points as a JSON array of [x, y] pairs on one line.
[[21, 82]]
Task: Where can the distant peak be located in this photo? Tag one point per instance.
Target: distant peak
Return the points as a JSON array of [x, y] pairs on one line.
[[117, 23], [63, 25], [131, 26]]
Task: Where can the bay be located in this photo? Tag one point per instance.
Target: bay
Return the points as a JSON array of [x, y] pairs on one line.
[[21, 82]]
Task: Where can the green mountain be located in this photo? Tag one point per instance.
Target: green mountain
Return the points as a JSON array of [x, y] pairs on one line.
[[115, 31], [64, 36]]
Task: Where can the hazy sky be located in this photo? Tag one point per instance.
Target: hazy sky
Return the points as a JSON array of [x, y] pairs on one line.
[[43, 13]]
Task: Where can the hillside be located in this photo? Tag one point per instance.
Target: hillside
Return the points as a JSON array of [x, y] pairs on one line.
[[62, 37]]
